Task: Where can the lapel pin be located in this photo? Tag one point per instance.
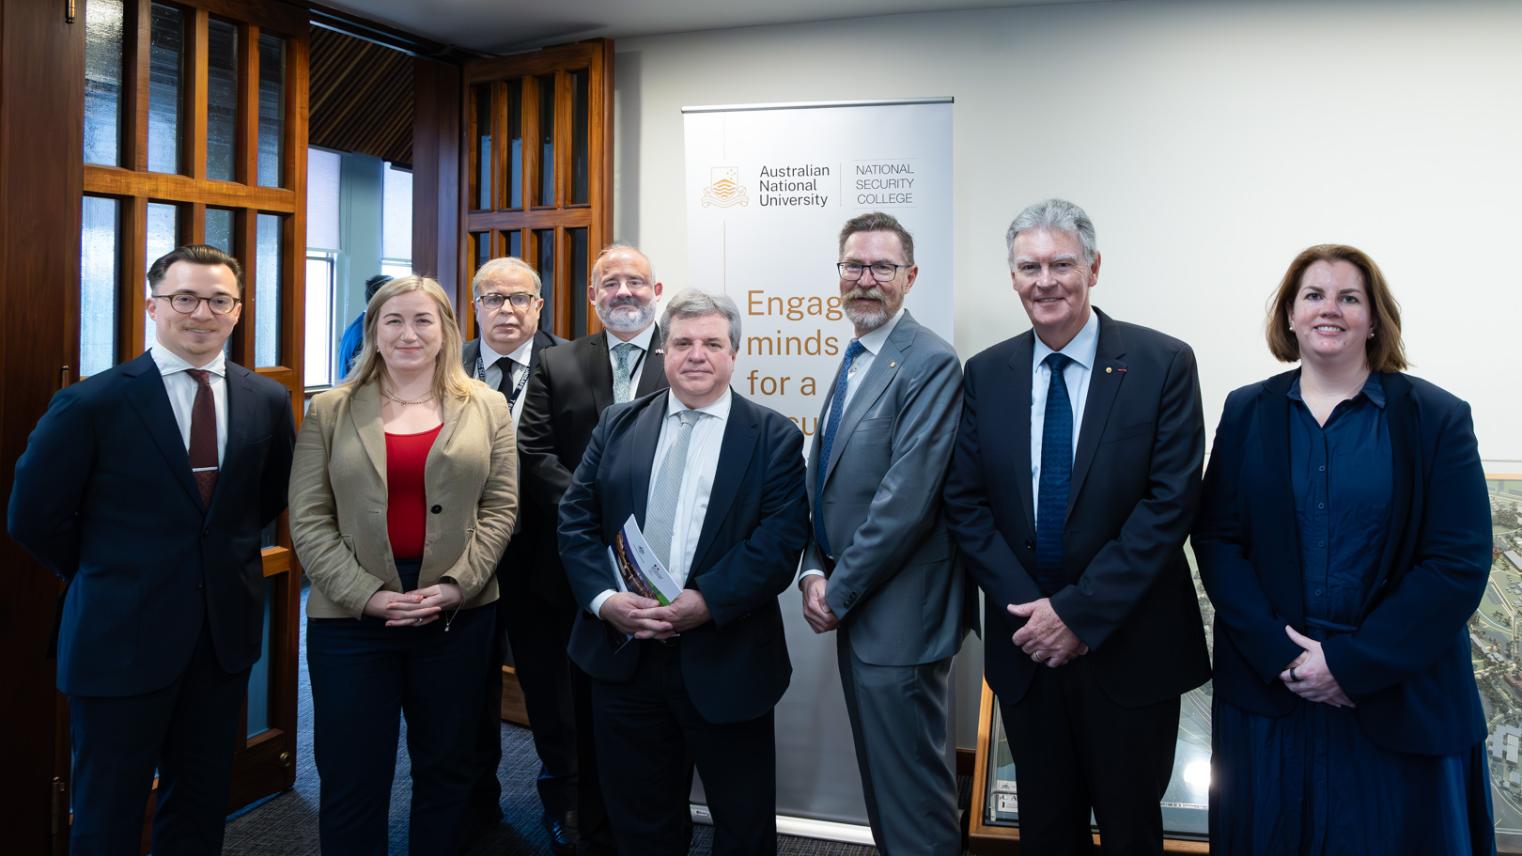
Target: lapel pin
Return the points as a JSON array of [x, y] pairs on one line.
[[893, 364], [1108, 370]]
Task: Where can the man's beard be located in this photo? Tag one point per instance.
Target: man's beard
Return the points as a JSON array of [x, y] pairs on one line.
[[627, 315], [866, 310]]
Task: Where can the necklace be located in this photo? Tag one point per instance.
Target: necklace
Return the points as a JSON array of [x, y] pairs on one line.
[[403, 402]]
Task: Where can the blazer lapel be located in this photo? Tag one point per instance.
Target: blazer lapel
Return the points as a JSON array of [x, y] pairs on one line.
[[596, 369], [1400, 414], [364, 412], [240, 396], [1277, 497], [652, 375], [740, 434], [644, 437], [469, 354], [1015, 413], [1105, 378], [453, 407], [884, 368], [151, 401]]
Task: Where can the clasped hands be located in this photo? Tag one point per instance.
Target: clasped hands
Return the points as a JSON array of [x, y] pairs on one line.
[[645, 618], [1045, 638], [415, 608], [816, 609], [1309, 677]]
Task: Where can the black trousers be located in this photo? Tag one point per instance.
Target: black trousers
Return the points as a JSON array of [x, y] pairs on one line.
[[364, 677], [188, 731], [1076, 750], [649, 738]]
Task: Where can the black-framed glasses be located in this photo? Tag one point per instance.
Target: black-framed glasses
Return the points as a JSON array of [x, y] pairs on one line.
[[519, 300], [186, 303], [881, 271]]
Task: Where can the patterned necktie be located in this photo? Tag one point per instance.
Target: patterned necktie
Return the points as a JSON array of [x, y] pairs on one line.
[[827, 438], [203, 436], [660, 516], [623, 355], [1056, 476]]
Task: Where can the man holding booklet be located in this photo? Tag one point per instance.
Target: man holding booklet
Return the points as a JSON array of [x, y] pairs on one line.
[[694, 497]]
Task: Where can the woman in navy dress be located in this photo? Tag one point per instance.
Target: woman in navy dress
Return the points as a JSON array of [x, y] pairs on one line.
[[1345, 541]]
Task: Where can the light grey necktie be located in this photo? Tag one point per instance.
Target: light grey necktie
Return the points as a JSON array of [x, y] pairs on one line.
[[660, 516], [623, 355]]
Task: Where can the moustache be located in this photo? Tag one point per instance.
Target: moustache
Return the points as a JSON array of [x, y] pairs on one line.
[[864, 294]]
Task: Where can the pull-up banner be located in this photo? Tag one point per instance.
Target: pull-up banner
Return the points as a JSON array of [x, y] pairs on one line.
[[768, 188]]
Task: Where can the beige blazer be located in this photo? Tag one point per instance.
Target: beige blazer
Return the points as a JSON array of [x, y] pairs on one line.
[[338, 499]]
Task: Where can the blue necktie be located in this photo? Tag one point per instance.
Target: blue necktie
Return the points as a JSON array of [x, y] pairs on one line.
[[1056, 477], [827, 438]]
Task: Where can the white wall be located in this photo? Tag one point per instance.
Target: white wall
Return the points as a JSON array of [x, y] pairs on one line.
[[1210, 141]]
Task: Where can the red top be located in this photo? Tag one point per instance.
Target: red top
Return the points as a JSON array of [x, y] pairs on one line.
[[406, 498]]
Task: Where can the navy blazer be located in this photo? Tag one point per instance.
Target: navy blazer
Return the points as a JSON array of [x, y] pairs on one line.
[[1407, 666], [1135, 486], [104, 497], [736, 666]]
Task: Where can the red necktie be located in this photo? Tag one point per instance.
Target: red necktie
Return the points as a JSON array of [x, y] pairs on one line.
[[203, 435]]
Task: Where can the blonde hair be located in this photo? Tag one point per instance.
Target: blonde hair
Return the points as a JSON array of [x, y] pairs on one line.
[[449, 377]]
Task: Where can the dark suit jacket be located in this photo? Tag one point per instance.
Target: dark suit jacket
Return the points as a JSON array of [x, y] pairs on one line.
[[569, 388], [103, 495], [534, 535], [736, 666], [1407, 667], [1136, 484]]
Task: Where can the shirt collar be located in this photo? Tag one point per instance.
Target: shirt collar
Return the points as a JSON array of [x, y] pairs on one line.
[[719, 408], [642, 340], [169, 362], [1373, 389], [875, 340], [520, 354], [1082, 349]]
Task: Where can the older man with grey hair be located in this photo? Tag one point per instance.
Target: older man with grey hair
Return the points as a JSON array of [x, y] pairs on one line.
[[715, 484], [1072, 487]]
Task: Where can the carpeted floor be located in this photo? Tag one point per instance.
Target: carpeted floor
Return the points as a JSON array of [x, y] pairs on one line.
[[286, 825]]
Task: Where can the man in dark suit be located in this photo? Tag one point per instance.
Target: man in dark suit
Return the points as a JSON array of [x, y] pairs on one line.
[[1073, 485], [508, 302], [146, 487], [715, 484], [567, 392], [880, 565]]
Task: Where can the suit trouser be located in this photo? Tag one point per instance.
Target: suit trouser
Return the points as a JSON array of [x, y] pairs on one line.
[[188, 731], [364, 676], [649, 738], [899, 726], [1076, 749]]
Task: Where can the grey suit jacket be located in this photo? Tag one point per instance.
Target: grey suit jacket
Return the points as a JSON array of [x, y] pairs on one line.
[[894, 581]]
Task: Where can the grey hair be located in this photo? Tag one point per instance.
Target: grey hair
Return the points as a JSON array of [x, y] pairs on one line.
[[612, 248], [1058, 215], [693, 303], [502, 265]]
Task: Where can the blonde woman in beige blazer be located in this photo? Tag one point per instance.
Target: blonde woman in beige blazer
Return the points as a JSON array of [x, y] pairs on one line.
[[403, 496]]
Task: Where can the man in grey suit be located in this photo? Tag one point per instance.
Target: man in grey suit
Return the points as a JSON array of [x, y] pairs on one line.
[[879, 567]]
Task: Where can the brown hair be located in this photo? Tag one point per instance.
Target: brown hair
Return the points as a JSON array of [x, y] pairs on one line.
[[449, 377], [1385, 350], [196, 254]]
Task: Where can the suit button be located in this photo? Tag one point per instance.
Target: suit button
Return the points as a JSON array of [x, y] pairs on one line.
[[437, 509], [1030, 544]]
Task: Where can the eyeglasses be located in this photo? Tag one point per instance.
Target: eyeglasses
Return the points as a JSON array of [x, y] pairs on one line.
[[519, 300], [633, 283], [881, 271], [186, 303]]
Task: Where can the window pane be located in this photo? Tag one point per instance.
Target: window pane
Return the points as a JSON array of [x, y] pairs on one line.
[[580, 135], [544, 239], [267, 307], [99, 261], [259, 677], [396, 214], [163, 236], [103, 81], [547, 140], [322, 199], [481, 95], [480, 249], [514, 243], [318, 368], [515, 143], [271, 108], [219, 229], [396, 268], [579, 274], [221, 99], [165, 70]]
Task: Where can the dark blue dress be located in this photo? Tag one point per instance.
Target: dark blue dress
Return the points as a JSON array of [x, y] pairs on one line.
[[1311, 781]]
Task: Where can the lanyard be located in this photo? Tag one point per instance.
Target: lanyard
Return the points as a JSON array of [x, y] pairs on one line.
[[518, 383]]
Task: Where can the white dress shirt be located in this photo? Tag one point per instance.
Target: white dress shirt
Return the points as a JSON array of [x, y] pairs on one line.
[[182, 388], [1082, 350], [697, 481], [492, 375], [640, 360], [872, 345]]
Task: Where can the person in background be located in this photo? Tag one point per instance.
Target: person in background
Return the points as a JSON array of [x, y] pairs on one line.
[[1345, 541], [354, 334], [403, 497]]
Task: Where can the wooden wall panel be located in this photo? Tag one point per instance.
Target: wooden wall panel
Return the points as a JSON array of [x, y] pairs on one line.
[[437, 240]]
